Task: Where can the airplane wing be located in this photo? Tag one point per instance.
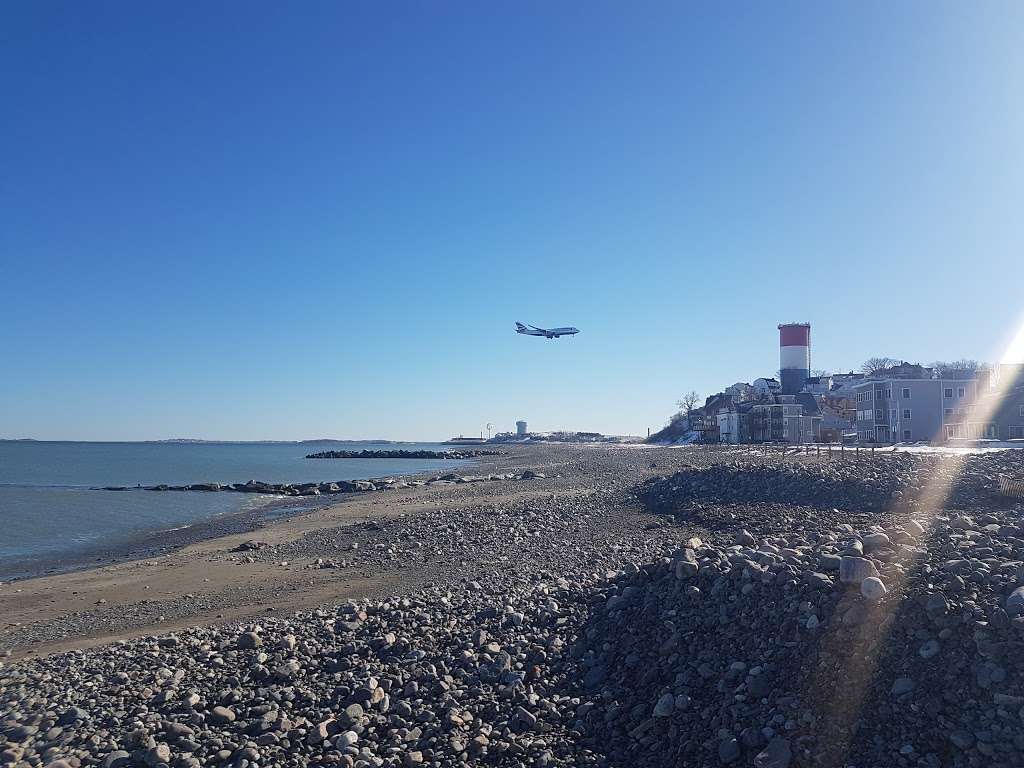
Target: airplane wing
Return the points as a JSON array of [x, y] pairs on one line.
[[542, 330]]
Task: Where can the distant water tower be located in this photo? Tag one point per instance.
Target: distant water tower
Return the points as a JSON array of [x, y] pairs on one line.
[[520, 429], [794, 356]]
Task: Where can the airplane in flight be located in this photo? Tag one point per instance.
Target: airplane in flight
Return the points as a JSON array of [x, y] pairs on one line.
[[551, 333]]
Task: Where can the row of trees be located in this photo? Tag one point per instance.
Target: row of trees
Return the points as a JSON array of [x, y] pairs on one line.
[[875, 365]]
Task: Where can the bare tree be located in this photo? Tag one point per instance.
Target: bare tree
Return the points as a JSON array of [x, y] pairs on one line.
[[943, 368], [688, 401], [876, 364], [819, 372]]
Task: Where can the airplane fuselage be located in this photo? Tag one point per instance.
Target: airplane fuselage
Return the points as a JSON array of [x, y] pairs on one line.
[[549, 333]]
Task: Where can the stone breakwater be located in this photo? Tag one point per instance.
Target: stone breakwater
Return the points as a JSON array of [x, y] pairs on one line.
[[399, 454], [796, 640], [329, 488]]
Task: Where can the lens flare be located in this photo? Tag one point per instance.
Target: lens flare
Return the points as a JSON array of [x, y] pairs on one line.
[[1015, 352], [858, 661]]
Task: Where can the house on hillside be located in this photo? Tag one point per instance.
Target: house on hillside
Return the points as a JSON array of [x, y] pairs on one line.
[[779, 418], [818, 385], [734, 423], [766, 387]]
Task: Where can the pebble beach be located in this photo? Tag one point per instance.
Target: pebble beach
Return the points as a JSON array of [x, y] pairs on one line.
[[568, 606]]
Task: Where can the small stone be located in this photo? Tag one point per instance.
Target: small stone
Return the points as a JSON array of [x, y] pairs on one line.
[[117, 759], [685, 569], [73, 714], [665, 707], [346, 739], [249, 640], [776, 755], [222, 715], [853, 570], [902, 685], [913, 528], [745, 538], [729, 750], [929, 649], [873, 589], [962, 739], [1015, 602], [160, 754]]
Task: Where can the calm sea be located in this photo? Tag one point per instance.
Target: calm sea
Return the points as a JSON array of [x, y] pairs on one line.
[[48, 512]]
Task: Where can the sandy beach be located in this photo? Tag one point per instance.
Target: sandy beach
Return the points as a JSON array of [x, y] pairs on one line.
[[194, 576]]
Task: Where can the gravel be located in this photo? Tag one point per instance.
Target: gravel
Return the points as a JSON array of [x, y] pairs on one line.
[[577, 630]]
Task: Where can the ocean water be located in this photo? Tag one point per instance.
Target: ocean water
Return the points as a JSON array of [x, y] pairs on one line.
[[49, 512]]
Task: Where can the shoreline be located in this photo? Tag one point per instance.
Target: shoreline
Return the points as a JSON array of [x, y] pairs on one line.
[[334, 550], [159, 541], [153, 543]]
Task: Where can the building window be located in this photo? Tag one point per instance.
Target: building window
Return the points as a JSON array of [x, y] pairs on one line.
[[1017, 432], [879, 414], [960, 391], [906, 414], [878, 391], [888, 392], [948, 392], [892, 415], [906, 434], [1020, 411], [947, 412], [906, 393]]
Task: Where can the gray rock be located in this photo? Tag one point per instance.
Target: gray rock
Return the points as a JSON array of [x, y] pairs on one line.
[[249, 640], [902, 685], [872, 589], [729, 750], [160, 754], [776, 755], [929, 648], [665, 706], [853, 570], [222, 715], [1015, 602], [117, 759]]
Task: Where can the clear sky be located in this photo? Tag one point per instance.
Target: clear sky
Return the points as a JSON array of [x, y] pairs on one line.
[[290, 220]]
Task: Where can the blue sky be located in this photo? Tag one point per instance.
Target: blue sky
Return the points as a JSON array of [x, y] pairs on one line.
[[265, 220]]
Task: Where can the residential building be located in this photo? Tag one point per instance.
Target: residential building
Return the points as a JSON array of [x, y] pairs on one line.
[[899, 409], [766, 387], [779, 418], [998, 413], [734, 423], [818, 385], [741, 392]]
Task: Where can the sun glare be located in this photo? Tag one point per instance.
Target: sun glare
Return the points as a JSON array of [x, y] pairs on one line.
[[1015, 352]]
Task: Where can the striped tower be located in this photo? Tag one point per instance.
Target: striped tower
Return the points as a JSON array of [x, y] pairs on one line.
[[794, 356]]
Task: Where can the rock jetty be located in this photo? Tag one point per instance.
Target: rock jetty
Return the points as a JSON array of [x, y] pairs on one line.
[[399, 454], [334, 487]]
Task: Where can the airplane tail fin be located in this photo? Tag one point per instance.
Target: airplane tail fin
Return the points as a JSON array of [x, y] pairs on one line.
[[520, 327]]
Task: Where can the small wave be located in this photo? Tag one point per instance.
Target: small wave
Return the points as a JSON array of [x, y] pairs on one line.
[[172, 530]]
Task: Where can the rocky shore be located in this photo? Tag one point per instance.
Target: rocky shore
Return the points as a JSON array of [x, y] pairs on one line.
[[791, 613], [400, 454]]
